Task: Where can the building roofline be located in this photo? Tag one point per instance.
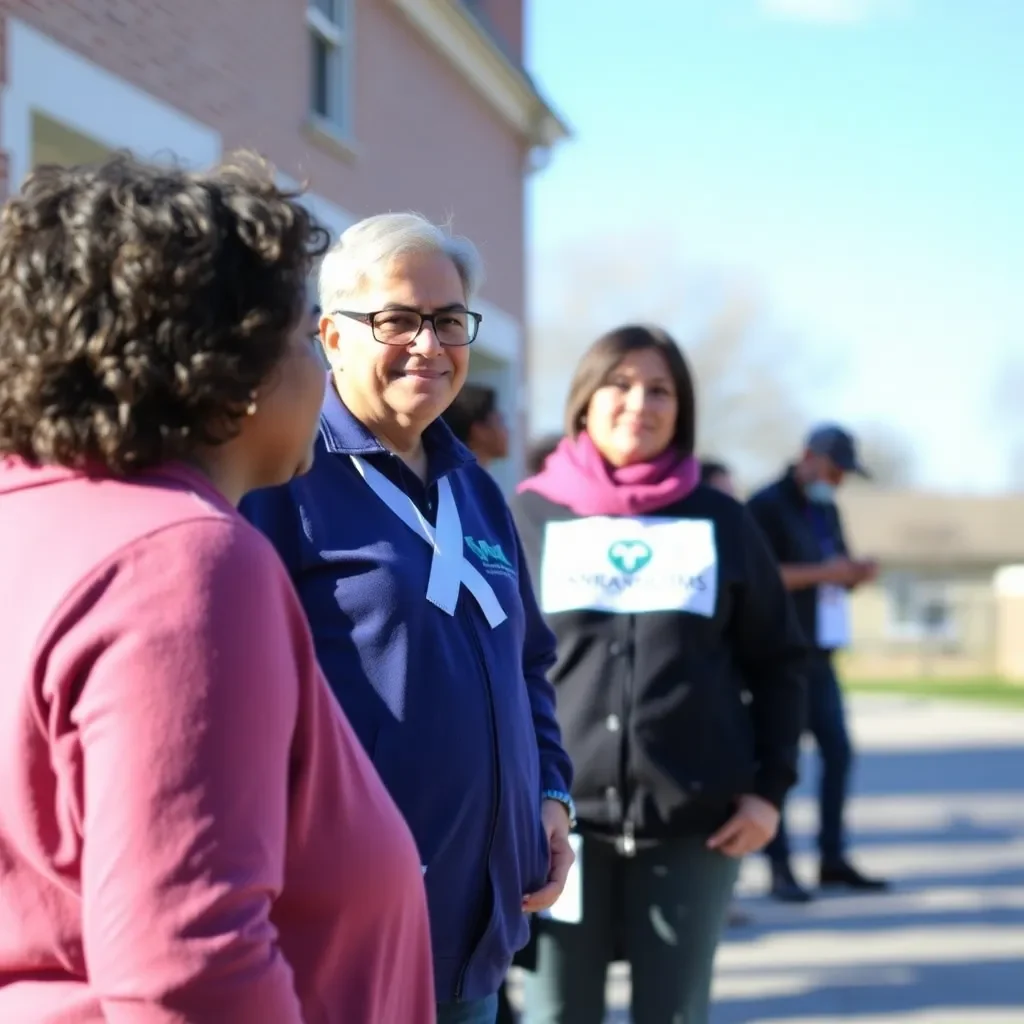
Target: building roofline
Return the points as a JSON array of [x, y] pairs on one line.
[[496, 76], [934, 528]]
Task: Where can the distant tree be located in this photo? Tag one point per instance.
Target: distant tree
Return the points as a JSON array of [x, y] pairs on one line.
[[888, 454], [1006, 414], [753, 385], [754, 379], [1015, 466]]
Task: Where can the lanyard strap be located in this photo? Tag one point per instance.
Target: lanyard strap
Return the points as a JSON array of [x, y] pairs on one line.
[[449, 570], [821, 528]]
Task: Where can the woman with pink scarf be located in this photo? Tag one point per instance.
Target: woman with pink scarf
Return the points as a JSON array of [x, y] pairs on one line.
[[679, 684]]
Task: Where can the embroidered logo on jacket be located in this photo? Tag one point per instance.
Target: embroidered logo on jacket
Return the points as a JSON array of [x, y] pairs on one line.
[[492, 558]]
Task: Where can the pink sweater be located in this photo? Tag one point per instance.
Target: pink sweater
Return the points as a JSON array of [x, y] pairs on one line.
[[189, 829]]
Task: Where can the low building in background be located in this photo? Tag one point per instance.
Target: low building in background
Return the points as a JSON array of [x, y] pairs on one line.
[[939, 606], [378, 105]]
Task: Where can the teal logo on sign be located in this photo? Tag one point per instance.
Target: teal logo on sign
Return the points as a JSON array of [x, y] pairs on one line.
[[492, 556], [630, 556]]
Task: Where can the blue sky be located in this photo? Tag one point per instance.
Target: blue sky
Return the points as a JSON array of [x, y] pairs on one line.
[[861, 163]]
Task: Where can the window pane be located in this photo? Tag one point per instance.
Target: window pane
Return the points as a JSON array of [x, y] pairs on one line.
[[900, 589], [320, 70], [327, 7], [338, 96]]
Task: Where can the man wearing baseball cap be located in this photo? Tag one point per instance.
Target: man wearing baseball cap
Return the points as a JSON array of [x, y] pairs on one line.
[[798, 514]]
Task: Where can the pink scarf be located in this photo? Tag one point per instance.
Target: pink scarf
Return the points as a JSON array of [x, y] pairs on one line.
[[575, 475]]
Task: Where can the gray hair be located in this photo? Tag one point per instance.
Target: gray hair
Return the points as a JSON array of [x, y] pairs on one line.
[[376, 241]]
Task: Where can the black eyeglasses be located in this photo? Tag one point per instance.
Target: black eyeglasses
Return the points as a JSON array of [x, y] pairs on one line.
[[402, 326]]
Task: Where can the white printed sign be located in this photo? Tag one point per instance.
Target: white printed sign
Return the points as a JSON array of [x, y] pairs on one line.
[[629, 565], [833, 617]]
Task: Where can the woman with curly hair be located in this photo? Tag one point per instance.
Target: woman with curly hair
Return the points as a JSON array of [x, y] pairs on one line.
[[189, 829]]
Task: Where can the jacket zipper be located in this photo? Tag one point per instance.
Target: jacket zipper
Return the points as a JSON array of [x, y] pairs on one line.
[[460, 983], [495, 797], [626, 843]]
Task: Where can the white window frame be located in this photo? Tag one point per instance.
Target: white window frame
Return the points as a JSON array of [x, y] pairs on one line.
[[921, 590], [46, 77], [338, 37]]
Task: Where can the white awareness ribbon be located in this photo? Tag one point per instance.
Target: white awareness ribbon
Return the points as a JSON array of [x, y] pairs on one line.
[[449, 569]]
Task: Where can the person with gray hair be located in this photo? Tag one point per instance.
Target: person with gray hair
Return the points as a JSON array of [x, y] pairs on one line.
[[411, 572]]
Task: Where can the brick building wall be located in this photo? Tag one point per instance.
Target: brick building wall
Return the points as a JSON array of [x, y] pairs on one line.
[[421, 138], [198, 78]]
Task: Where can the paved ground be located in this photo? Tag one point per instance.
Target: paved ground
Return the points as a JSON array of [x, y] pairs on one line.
[[940, 810]]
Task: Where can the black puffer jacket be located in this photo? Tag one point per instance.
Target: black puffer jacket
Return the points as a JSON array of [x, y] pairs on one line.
[[670, 715]]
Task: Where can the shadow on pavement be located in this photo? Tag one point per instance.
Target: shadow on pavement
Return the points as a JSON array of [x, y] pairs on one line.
[[956, 812], [892, 988]]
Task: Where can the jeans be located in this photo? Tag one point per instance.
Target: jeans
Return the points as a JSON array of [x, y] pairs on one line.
[[506, 1015], [479, 1011], [664, 908], [827, 724]]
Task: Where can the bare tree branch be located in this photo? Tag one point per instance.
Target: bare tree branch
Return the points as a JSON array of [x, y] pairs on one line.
[[888, 454], [753, 379], [1006, 412]]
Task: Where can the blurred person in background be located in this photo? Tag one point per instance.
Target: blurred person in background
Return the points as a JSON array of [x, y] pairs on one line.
[[798, 515], [475, 419], [411, 573], [189, 828], [718, 475], [537, 452], [668, 607]]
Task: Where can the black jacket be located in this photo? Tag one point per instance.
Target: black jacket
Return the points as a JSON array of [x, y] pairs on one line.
[[799, 535], [668, 716]]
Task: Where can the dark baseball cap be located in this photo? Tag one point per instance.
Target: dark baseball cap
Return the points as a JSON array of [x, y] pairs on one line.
[[838, 445]]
